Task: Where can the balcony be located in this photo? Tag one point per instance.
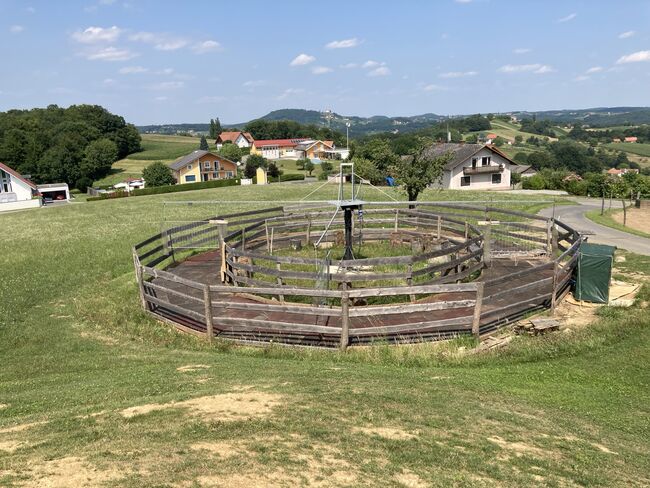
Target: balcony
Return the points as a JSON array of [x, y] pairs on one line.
[[483, 170]]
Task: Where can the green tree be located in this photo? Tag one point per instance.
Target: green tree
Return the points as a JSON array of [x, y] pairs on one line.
[[273, 170], [253, 162], [367, 170], [158, 174], [99, 156], [300, 164], [212, 133], [203, 145], [519, 140], [326, 167], [231, 152], [515, 179], [83, 183], [217, 127], [414, 174], [380, 153], [309, 166]]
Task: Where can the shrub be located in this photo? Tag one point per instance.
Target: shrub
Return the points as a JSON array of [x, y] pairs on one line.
[[535, 182], [158, 174], [83, 183], [292, 177]]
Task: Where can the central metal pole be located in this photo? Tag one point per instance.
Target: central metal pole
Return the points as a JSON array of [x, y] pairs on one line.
[[347, 218]]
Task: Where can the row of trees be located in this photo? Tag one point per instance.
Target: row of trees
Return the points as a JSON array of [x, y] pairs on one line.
[[591, 184], [580, 133], [73, 144], [288, 129]]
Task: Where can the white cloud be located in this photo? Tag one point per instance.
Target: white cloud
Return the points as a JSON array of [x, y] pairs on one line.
[[526, 68], [165, 71], [634, 57], [349, 65], [206, 47], [161, 42], [433, 87], [167, 85], [626, 35], [581, 78], [342, 44], [568, 17], [302, 59], [521, 50], [594, 69], [161, 99], [130, 70], [93, 35], [381, 71], [290, 92], [109, 54], [371, 64], [458, 74], [16, 29], [321, 70], [108, 81], [254, 83]]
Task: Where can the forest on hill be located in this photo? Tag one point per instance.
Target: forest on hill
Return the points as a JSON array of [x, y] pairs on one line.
[[76, 145]]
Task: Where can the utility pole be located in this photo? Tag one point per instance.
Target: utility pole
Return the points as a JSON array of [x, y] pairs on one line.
[[347, 135]]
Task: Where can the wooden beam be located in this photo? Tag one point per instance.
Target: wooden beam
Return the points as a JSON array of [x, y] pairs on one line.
[[476, 319], [207, 298]]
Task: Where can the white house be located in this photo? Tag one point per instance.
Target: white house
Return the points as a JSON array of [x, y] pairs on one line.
[[241, 139], [473, 166], [16, 192]]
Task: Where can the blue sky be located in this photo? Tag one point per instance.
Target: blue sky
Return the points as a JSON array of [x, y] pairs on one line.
[[171, 61]]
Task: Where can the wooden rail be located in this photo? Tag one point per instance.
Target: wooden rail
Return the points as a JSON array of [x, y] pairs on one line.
[[300, 314]]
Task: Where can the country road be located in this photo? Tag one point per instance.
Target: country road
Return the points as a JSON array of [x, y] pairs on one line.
[[574, 215]]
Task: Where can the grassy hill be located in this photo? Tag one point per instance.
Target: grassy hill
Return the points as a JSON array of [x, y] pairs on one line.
[[155, 147], [93, 390]]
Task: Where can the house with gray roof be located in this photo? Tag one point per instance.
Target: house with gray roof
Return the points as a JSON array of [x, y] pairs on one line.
[[473, 166], [202, 166]]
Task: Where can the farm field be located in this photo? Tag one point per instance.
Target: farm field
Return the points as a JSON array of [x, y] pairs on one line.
[[632, 148], [93, 392], [510, 131]]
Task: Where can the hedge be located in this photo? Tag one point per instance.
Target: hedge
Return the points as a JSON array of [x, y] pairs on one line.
[[157, 190], [291, 177]]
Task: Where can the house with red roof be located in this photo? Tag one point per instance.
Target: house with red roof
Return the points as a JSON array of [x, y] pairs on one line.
[[631, 139], [277, 148], [241, 139], [16, 191]]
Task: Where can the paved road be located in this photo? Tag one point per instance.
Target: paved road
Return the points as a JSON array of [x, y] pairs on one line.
[[573, 215]]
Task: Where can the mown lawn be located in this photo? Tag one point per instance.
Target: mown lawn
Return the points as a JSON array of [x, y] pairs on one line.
[[91, 393]]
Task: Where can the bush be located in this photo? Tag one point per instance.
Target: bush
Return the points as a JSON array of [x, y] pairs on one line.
[[83, 183], [158, 174], [292, 177], [535, 182]]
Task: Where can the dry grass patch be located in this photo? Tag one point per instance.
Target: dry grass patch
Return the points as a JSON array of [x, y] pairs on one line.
[[637, 218], [410, 480], [519, 448], [387, 433], [20, 427], [189, 368], [221, 449], [224, 407], [69, 472]]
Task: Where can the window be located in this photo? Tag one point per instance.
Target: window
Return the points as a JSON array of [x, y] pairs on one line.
[[189, 167], [465, 181], [474, 162], [190, 178], [229, 174], [216, 165], [496, 179], [485, 161], [5, 182], [206, 165], [215, 176]]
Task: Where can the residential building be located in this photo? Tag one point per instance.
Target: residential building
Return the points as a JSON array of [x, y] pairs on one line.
[[203, 166], [316, 150], [525, 170], [631, 139], [16, 191], [241, 139], [277, 148], [473, 166], [622, 171]]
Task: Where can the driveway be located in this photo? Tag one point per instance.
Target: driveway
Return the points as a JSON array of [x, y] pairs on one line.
[[574, 215]]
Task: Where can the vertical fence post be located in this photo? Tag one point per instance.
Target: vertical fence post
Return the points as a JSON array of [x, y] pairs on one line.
[[439, 226], [345, 319], [466, 230], [279, 282], [554, 237], [243, 239], [266, 229], [308, 234], [476, 319], [271, 244], [409, 281], [207, 299], [224, 274], [396, 218], [487, 245], [554, 285]]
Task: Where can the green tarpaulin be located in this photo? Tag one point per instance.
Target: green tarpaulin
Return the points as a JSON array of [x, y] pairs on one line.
[[594, 272]]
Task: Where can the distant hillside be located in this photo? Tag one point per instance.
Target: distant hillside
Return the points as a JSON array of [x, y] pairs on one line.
[[595, 117], [361, 126]]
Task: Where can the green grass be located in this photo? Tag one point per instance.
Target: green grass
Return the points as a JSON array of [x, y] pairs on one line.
[[510, 131], [607, 220], [74, 342]]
